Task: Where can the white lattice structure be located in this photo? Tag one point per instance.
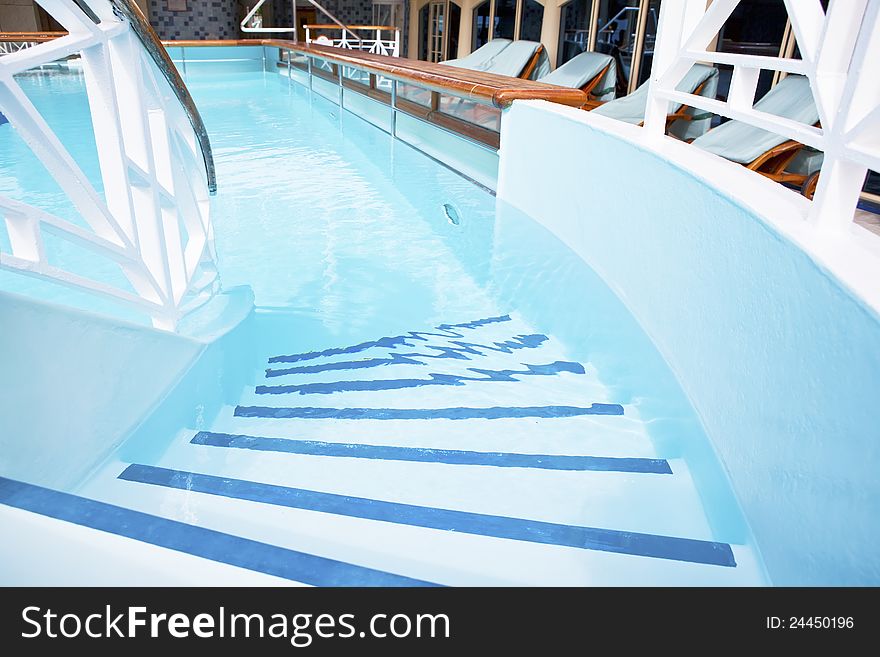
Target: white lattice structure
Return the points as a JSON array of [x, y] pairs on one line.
[[153, 218], [374, 38], [837, 50], [9, 47]]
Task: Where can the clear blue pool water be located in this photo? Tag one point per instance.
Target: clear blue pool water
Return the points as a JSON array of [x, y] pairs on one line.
[[345, 237]]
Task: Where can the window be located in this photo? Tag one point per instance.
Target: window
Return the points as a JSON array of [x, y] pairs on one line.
[[481, 25], [507, 19], [574, 29], [624, 29], [504, 25], [531, 19], [388, 13], [439, 23]]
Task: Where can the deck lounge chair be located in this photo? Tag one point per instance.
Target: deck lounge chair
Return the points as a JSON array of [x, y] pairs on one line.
[[761, 150], [516, 59], [520, 59], [481, 56], [683, 122], [591, 72]]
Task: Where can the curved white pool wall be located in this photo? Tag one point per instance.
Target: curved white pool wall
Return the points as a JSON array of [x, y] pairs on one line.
[[78, 383], [779, 357]]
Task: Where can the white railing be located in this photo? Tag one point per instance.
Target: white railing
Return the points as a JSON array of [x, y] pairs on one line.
[[253, 20], [376, 39], [11, 42], [840, 51], [153, 217], [9, 47]]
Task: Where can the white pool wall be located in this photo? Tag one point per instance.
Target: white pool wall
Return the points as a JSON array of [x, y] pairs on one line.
[[75, 384], [780, 359]]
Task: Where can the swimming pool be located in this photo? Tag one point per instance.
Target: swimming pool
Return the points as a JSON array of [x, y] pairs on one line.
[[432, 388]]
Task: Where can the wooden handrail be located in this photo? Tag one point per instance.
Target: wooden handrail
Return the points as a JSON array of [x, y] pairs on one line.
[[477, 86]]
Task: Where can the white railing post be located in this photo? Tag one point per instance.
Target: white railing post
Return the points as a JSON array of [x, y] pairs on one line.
[[839, 51], [677, 19], [844, 90]]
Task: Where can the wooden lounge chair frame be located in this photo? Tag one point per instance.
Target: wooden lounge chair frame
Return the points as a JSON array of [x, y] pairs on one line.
[[679, 114], [773, 163], [532, 63], [591, 84]]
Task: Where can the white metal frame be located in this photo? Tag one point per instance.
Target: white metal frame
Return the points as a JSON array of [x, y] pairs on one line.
[[377, 43], [9, 47], [246, 25], [153, 219], [393, 14], [838, 50]]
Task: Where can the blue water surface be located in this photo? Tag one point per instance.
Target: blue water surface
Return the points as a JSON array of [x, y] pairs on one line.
[[346, 235]]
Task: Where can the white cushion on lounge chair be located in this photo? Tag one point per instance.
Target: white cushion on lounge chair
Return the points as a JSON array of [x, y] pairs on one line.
[[631, 108], [579, 70], [513, 59], [481, 56], [702, 120], [792, 99]]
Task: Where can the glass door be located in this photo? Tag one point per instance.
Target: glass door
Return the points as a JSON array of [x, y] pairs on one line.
[[436, 31], [388, 13], [439, 24], [624, 29], [481, 25]]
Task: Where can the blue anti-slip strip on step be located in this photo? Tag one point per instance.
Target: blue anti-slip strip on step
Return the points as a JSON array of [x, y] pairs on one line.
[[191, 539], [427, 455], [459, 413], [390, 342], [434, 379], [460, 351], [588, 538]]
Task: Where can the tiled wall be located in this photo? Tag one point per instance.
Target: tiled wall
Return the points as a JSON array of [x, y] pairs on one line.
[[350, 12], [203, 19], [219, 19]]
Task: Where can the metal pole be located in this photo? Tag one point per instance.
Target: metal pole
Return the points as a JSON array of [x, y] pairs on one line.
[[639, 45], [786, 50], [394, 109], [593, 34], [309, 60], [339, 75], [333, 18], [295, 26]]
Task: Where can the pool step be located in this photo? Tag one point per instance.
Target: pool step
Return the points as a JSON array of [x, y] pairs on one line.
[[192, 539], [423, 542], [469, 454], [586, 435], [555, 389], [491, 335], [638, 501], [431, 455], [449, 523]]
